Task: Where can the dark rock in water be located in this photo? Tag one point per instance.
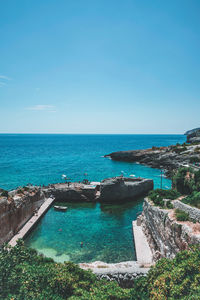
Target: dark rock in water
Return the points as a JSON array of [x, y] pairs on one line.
[[120, 188], [193, 136], [168, 158]]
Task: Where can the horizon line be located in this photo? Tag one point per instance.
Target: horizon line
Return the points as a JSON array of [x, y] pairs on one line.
[[64, 133]]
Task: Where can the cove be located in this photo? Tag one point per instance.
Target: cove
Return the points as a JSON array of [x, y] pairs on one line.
[[104, 229]]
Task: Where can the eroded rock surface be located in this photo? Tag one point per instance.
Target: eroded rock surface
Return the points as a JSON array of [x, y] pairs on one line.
[[120, 188], [16, 210], [165, 235]]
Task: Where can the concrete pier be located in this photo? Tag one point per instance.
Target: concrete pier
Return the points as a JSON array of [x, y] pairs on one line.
[[143, 251], [28, 226]]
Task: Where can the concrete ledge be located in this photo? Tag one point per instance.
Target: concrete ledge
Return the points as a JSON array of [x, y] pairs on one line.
[[28, 226], [143, 252]]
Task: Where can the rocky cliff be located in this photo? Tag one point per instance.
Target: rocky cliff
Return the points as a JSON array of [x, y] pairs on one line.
[[165, 235], [17, 209], [193, 136]]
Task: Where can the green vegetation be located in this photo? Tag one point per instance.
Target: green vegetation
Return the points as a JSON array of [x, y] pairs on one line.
[[158, 195], [178, 148], [182, 215], [24, 275], [193, 199], [194, 159], [186, 181], [4, 194]]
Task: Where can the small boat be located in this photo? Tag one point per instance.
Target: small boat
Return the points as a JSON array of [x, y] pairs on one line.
[[61, 208]]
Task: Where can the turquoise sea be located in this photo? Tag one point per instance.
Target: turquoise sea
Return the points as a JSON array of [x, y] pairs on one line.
[[43, 158], [105, 230]]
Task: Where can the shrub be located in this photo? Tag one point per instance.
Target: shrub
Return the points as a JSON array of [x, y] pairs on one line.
[[193, 199], [177, 278], [4, 194], [194, 159], [28, 276], [158, 195], [185, 180], [182, 215]]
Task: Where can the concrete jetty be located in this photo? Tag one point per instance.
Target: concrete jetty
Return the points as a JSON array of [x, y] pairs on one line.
[[29, 225], [143, 252]]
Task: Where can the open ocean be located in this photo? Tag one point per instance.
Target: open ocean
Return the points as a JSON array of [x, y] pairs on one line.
[[43, 158]]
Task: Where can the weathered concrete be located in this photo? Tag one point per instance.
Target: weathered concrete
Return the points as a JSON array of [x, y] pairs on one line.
[[124, 272], [73, 192], [143, 251], [29, 225]]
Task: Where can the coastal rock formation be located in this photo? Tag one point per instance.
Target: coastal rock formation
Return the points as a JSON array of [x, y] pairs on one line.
[[74, 192], [165, 235], [16, 210], [193, 136], [120, 188], [169, 158]]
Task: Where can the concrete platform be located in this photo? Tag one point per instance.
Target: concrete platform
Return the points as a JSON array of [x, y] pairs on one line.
[[28, 226], [143, 251]]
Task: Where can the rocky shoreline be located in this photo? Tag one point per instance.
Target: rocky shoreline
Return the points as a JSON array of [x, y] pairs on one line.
[[169, 158]]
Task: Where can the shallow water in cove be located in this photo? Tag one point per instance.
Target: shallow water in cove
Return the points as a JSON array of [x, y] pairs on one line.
[[105, 230]]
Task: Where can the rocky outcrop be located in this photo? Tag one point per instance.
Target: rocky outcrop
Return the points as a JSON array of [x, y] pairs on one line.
[[165, 235], [74, 192], [193, 136], [120, 188], [169, 158], [17, 209]]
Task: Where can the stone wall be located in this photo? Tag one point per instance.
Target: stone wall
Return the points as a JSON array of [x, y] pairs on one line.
[[166, 236], [193, 212], [15, 211], [124, 272]]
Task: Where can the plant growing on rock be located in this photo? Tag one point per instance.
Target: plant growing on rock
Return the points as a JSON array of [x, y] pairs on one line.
[[193, 199], [186, 180], [181, 215], [4, 194], [158, 196]]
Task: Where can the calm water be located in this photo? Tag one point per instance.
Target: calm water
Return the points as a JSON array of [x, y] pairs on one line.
[[42, 159], [105, 230]]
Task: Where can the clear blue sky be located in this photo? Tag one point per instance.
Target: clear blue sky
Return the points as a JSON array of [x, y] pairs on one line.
[[99, 66]]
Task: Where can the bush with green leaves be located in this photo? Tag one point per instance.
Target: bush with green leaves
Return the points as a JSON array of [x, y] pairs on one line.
[[25, 275], [186, 180], [158, 195], [178, 278], [181, 215], [193, 199], [4, 193]]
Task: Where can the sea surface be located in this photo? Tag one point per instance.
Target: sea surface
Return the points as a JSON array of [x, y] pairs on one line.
[[105, 230], [43, 158]]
